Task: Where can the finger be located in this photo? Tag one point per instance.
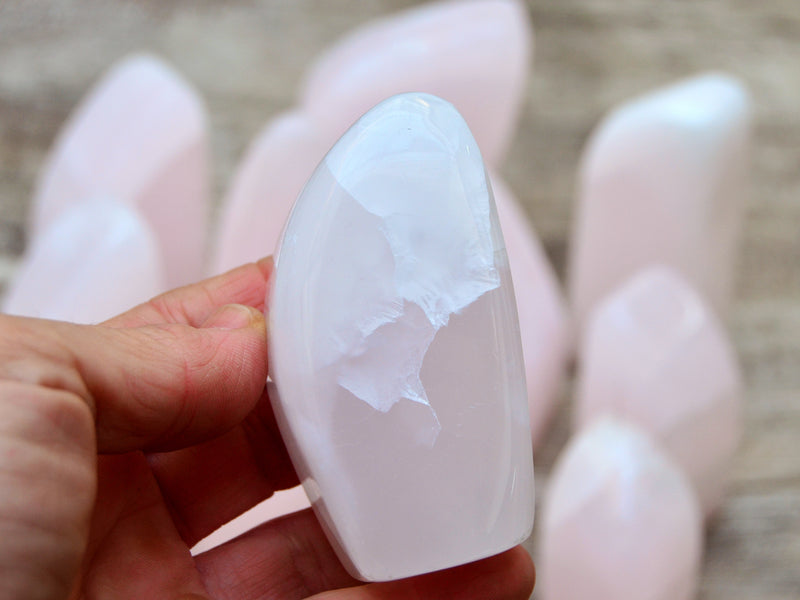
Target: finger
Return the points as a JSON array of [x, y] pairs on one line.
[[209, 484], [287, 558], [46, 447], [507, 576], [154, 387], [134, 550], [191, 304]]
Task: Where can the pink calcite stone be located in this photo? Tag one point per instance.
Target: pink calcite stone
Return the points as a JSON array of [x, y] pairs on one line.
[[656, 355], [663, 181], [395, 349], [139, 137], [270, 178], [542, 317], [97, 259], [475, 54], [620, 521]]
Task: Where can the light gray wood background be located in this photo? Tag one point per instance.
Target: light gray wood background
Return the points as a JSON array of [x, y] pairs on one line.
[[247, 59]]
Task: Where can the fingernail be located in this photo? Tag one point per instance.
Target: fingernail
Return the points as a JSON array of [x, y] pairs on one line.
[[266, 265], [230, 316]]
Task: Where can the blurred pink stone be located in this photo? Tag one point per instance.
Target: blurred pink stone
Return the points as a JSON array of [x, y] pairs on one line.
[[270, 177], [542, 317], [140, 137], [663, 182], [475, 54], [620, 521], [655, 355], [95, 260]]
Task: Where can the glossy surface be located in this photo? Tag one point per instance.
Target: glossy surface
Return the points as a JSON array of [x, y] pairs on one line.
[[395, 349]]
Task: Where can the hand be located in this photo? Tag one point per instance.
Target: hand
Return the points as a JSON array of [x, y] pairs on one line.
[[123, 444]]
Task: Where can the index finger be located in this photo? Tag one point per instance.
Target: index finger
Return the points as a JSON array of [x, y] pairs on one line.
[[191, 304]]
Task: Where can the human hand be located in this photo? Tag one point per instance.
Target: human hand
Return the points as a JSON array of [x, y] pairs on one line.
[[122, 445]]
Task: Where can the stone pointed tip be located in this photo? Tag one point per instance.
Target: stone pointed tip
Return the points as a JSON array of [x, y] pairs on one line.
[[476, 54], [150, 69]]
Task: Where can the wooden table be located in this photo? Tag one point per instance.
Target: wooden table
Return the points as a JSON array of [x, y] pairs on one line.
[[248, 58]]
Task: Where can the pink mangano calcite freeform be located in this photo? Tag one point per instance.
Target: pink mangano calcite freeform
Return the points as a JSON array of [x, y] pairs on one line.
[[662, 182], [420, 49], [620, 521], [655, 354], [395, 349], [95, 260], [139, 137]]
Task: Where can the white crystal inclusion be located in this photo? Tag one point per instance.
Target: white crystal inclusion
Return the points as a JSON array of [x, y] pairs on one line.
[[395, 348]]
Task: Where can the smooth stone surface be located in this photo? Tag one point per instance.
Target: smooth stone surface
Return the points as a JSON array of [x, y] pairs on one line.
[[140, 137], [663, 181], [474, 54], [543, 319], [269, 179], [656, 355], [96, 260], [395, 349], [620, 521]]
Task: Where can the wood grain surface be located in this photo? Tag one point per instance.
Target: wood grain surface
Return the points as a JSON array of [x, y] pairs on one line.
[[247, 59]]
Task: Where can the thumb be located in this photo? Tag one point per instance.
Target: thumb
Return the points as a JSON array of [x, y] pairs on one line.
[[155, 387], [168, 386]]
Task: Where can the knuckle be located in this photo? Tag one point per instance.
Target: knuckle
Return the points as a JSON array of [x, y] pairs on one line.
[[53, 419]]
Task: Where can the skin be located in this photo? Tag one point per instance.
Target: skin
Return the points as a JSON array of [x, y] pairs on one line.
[[123, 444]]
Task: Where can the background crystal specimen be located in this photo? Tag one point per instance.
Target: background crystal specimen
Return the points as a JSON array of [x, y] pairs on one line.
[[620, 521], [662, 182], [138, 137], [655, 354]]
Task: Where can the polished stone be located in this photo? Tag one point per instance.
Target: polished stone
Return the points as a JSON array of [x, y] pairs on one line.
[[655, 354], [97, 259], [620, 521], [395, 348], [139, 137], [663, 181]]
